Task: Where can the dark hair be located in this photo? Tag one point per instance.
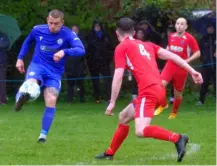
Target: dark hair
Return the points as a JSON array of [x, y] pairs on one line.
[[139, 29], [150, 27], [97, 22], [210, 25], [55, 13], [125, 25]]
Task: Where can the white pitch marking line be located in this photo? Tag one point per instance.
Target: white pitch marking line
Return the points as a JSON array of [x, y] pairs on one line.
[[191, 149]]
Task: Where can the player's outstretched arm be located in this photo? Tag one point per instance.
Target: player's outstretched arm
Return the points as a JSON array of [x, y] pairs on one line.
[[116, 86], [24, 50], [27, 44], [167, 55]]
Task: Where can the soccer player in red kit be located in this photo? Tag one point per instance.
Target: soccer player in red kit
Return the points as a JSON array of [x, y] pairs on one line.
[[182, 44], [140, 58]]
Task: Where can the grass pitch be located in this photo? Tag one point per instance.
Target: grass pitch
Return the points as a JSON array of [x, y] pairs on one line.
[[80, 131]]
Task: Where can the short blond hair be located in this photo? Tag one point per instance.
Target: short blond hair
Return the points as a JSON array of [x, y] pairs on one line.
[[55, 13]]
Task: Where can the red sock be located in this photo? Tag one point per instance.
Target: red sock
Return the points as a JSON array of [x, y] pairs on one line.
[[160, 133], [118, 138], [176, 105]]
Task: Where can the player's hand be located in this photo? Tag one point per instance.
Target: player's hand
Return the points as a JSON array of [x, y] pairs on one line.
[[20, 66], [187, 61], [58, 56], [109, 110], [197, 77]]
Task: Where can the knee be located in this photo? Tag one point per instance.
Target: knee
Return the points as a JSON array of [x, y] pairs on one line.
[[50, 100], [178, 95], [164, 83], [122, 118], [139, 132]]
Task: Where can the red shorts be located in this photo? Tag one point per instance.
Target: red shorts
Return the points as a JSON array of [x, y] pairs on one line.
[[174, 73], [148, 100]]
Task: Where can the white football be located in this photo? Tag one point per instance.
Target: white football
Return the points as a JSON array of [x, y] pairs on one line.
[[32, 88]]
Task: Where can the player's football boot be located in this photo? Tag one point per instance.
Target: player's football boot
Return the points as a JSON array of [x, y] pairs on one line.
[[181, 147], [104, 156], [41, 140], [21, 99], [172, 116], [160, 109]]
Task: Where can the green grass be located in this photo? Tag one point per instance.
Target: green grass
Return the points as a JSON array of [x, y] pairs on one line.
[[80, 131]]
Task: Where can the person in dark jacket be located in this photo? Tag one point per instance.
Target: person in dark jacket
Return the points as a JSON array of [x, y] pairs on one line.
[[208, 59], [99, 56], [4, 44], [75, 70], [150, 33]]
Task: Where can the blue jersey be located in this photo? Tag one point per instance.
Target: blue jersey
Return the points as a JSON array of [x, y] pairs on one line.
[[47, 44]]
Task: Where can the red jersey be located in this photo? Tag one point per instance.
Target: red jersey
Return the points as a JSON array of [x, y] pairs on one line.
[[183, 45], [140, 58]]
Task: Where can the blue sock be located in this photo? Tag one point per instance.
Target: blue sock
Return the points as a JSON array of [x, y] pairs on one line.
[[47, 119]]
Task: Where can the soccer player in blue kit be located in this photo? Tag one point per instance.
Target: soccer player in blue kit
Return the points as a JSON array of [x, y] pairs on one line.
[[53, 42]]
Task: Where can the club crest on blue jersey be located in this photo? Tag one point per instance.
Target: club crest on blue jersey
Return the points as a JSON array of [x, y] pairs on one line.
[[43, 48], [60, 41]]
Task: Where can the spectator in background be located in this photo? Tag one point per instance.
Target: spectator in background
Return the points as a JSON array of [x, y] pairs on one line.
[[4, 44], [140, 34], [75, 71], [150, 33], [99, 56], [208, 59]]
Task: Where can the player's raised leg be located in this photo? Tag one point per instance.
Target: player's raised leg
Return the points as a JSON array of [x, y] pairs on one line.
[[166, 76], [164, 106], [50, 96], [120, 134], [33, 75], [143, 118], [22, 95]]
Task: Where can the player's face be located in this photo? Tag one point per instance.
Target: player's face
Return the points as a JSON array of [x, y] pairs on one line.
[[75, 29], [140, 35], [54, 24], [181, 25], [97, 27], [210, 30]]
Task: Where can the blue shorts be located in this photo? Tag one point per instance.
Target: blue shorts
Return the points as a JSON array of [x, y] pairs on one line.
[[46, 77]]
